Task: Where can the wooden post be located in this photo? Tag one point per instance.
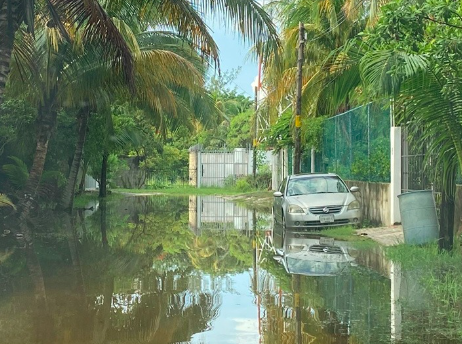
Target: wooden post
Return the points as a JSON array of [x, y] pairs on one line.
[[254, 167], [298, 107]]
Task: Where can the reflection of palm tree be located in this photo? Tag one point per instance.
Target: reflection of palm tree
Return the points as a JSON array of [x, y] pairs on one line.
[[220, 252], [102, 318], [159, 313]]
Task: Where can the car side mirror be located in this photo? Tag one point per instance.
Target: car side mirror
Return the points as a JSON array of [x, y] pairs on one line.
[[354, 189], [277, 194], [279, 259]]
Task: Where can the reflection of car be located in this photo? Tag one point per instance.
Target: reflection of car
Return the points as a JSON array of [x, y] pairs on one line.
[[315, 200], [303, 254]]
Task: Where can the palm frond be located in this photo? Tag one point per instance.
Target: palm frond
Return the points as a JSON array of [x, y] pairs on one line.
[[99, 28], [182, 15], [385, 70], [6, 202], [16, 172], [435, 119], [250, 19]]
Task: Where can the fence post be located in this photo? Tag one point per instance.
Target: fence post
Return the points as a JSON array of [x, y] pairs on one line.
[[395, 173], [199, 169], [193, 167]]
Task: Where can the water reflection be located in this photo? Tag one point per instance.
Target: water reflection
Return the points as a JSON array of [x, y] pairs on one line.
[[201, 270], [323, 296], [211, 212], [131, 272], [313, 255]]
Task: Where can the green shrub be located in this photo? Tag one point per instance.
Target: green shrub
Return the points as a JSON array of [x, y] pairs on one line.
[[243, 185], [230, 180], [262, 181]]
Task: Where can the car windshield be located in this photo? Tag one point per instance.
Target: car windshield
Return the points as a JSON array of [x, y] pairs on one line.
[[306, 267], [315, 185]]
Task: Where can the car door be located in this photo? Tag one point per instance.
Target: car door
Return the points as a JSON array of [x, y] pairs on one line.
[[277, 205]]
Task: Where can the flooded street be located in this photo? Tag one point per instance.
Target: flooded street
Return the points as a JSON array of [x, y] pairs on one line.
[[201, 270]]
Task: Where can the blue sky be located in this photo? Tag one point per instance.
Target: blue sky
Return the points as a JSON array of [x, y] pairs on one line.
[[234, 54]]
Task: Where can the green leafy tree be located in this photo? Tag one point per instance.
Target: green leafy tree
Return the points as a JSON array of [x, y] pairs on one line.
[[240, 133], [413, 56]]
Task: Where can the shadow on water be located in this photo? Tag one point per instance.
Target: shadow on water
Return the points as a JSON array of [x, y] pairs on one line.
[[201, 270]]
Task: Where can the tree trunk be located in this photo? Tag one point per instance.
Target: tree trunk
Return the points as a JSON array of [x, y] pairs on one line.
[[67, 198], [73, 241], [10, 17], [45, 125], [82, 179], [103, 181], [447, 212], [103, 218], [102, 318]]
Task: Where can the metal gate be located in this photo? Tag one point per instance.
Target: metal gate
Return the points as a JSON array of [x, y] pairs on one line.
[[218, 168], [414, 168]]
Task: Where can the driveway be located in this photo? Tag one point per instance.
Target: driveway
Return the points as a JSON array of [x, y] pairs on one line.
[[387, 236]]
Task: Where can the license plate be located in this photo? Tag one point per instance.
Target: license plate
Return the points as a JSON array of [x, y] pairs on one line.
[[326, 241], [328, 218]]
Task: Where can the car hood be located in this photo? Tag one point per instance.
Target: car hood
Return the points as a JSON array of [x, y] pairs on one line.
[[309, 263], [322, 199]]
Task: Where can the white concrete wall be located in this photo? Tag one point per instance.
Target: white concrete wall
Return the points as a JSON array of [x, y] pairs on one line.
[[375, 202], [90, 183]]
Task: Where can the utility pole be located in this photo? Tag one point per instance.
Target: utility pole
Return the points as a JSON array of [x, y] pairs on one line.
[[254, 166], [298, 106]]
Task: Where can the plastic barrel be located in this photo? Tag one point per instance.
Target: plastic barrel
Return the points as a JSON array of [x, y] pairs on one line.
[[418, 217]]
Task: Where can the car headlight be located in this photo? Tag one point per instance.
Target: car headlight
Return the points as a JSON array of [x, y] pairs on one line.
[[295, 209], [353, 205]]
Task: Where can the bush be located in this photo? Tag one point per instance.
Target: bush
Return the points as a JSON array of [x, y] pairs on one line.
[[230, 180], [243, 185], [262, 181]]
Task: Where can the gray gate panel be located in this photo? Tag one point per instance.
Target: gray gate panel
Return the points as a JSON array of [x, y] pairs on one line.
[[215, 167]]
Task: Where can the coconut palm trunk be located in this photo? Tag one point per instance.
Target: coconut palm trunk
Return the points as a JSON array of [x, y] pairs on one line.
[[45, 124], [67, 198], [9, 22], [103, 179], [81, 188], [447, 212]]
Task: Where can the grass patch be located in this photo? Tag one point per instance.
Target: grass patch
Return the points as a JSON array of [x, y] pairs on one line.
[[415, 256], [348, 233], [190, 190], [82, 200], [439, 275]]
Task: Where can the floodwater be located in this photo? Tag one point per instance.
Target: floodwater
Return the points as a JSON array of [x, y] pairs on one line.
[[200, 270]]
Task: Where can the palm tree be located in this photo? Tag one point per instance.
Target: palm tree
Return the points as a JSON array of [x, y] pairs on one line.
[[55, 13], [183, 16], [328, 25], [53, 50], [170, 90]]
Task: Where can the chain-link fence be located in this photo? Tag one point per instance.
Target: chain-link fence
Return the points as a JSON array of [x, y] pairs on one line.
[[356, 144], [161, 178]]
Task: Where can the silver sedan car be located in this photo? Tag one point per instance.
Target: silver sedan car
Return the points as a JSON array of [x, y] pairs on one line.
[[315, 201]]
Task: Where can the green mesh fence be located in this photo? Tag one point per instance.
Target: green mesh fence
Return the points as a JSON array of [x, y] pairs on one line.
[[356, 144]]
